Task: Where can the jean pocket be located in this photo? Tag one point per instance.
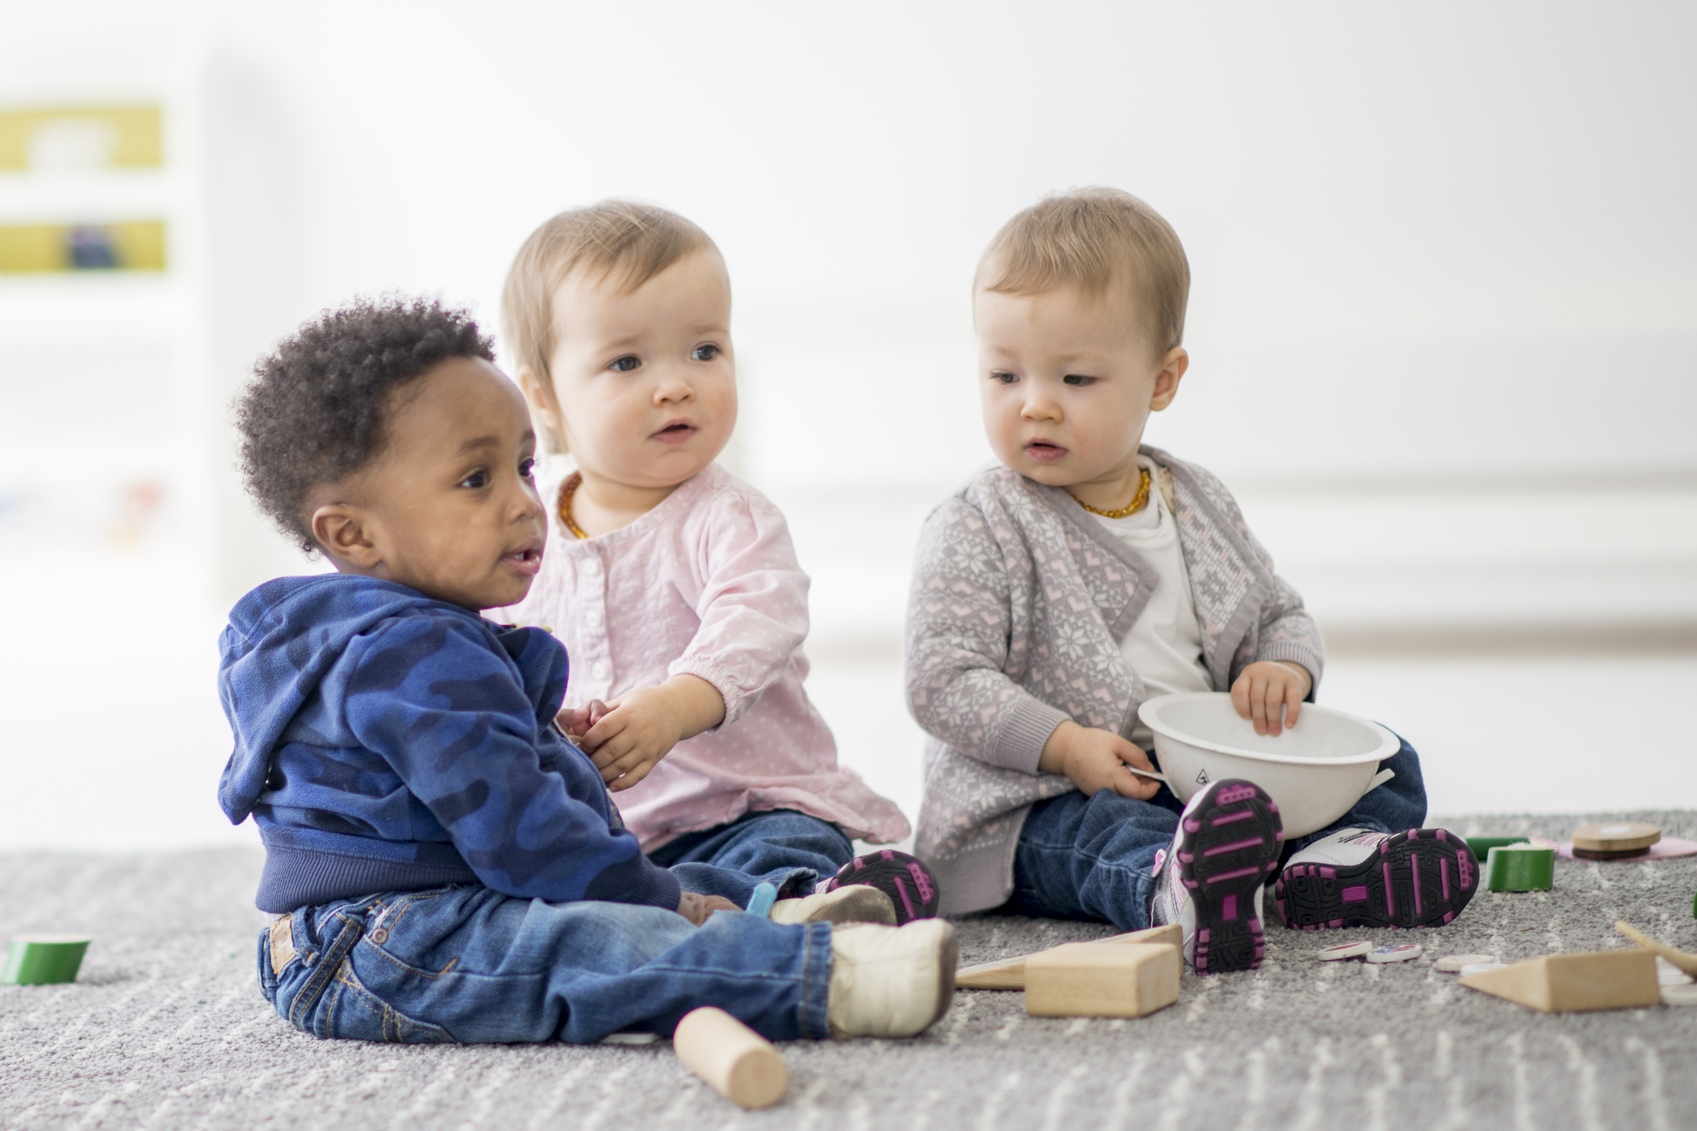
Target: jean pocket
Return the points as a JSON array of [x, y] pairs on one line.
[[350, 1011]]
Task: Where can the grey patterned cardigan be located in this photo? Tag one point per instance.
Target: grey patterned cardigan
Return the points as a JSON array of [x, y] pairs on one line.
[[1020, 600]]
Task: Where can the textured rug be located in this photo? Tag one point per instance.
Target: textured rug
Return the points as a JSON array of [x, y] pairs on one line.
[[166, 1029]]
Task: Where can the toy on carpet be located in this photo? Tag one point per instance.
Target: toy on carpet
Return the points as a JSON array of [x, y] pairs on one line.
[[760, 903], [739, 1063], [1687, 963], [1483, 844], [1092, 980], [1344, 951], [1620, 840], [1680, 995], [1668, 848], [1520, 867], [1668, 974], [43, 960], [1456, 963], [1009, 973], [1570, 983], [1406, 952]]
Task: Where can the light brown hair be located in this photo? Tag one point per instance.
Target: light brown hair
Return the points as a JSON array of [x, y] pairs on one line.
[[623, 243], [1102, 241]]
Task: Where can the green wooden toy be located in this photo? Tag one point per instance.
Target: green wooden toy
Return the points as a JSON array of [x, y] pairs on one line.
[[1483, 844], [1520, 867], [43, 960]]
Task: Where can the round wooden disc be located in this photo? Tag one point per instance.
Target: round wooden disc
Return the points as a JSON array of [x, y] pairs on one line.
[[1615, 836], [1623, 854]]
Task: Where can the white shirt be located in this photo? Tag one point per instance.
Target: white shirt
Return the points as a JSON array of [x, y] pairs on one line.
[[1164, 646]]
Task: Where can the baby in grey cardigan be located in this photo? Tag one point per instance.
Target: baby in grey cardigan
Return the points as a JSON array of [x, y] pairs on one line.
[[1056, 592]]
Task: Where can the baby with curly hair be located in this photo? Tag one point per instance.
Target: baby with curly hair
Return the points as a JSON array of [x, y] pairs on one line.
[[443, 863]]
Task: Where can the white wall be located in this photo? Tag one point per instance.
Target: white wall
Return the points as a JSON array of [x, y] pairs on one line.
[[1438, 251]]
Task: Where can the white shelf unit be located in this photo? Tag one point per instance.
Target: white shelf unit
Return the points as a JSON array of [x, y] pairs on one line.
[[106, 400]]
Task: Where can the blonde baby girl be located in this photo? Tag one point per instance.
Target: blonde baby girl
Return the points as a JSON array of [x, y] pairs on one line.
[[674, 585]]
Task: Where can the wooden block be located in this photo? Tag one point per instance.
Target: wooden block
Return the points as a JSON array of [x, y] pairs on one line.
[[1616, 836], [1520, 867], [1005, 974], [1009, 973], [1169, 934], [43, 960], [1570, 983], [1683, 961], [1091, 980], [741, 1065], [1480, 845]]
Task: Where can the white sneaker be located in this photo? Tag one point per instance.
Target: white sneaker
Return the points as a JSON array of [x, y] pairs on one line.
[[1213, 876], [891, 981], [1361, 878], [856, 903]]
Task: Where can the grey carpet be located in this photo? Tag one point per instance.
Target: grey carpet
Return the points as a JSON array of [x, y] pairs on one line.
[[166, 1029]]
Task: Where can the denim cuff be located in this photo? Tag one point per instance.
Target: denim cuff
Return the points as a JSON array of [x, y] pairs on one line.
[[815, 1002]]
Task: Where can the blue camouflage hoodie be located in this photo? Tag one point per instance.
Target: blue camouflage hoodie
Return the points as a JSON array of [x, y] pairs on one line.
[[387, 741]]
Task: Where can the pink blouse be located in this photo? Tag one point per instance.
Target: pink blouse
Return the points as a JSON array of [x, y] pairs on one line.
[[705, 583]]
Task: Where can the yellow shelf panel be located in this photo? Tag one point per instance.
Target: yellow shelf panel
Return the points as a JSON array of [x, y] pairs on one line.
[[82, 137], [30, 249]]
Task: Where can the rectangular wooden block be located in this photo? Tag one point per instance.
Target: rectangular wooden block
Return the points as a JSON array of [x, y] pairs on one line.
[[1572, 983], [1009, 973], [1092, 980]]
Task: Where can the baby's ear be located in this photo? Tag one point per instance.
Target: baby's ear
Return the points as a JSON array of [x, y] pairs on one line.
[[341, 533], [539, 392], [1173, 367]]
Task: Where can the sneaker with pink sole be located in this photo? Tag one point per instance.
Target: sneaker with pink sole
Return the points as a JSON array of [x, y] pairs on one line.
[[1361, 878], [905, 879], [1212, 878]]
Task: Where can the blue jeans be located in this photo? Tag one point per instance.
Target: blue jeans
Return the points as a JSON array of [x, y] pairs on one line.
[[1092, 857], [467, 964], [789, 850]]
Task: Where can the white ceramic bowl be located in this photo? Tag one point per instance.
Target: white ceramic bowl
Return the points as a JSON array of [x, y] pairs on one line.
[[1315, 770]]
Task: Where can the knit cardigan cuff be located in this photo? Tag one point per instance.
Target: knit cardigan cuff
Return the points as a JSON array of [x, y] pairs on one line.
[[1028, 725], [1296, 653]]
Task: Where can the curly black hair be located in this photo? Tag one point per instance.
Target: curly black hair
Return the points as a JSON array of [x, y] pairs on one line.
[[316, 409]]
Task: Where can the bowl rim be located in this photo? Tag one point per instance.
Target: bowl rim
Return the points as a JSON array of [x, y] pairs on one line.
[[1388, 742]]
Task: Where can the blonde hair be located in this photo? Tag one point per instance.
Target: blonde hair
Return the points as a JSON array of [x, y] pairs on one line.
[[621, 242], [1100, 240]]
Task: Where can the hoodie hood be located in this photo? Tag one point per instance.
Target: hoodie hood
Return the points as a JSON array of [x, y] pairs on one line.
[[281, 641]]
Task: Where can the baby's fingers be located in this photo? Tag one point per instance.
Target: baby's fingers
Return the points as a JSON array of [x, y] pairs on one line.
[[617, 757], [595, 739], [1293, 703], [632, 776], [1240, 696], [628, 767], [1258, 704], [1129, 784]]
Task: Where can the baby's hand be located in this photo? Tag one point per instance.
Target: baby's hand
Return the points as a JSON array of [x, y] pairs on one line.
[[695, 907], [641, 727], [1096, 760], [1271, 692], [577, 721]]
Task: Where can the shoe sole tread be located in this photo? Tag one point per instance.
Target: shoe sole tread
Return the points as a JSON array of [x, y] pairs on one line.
[[1230, 852], [1414, 879], [905, 879]]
